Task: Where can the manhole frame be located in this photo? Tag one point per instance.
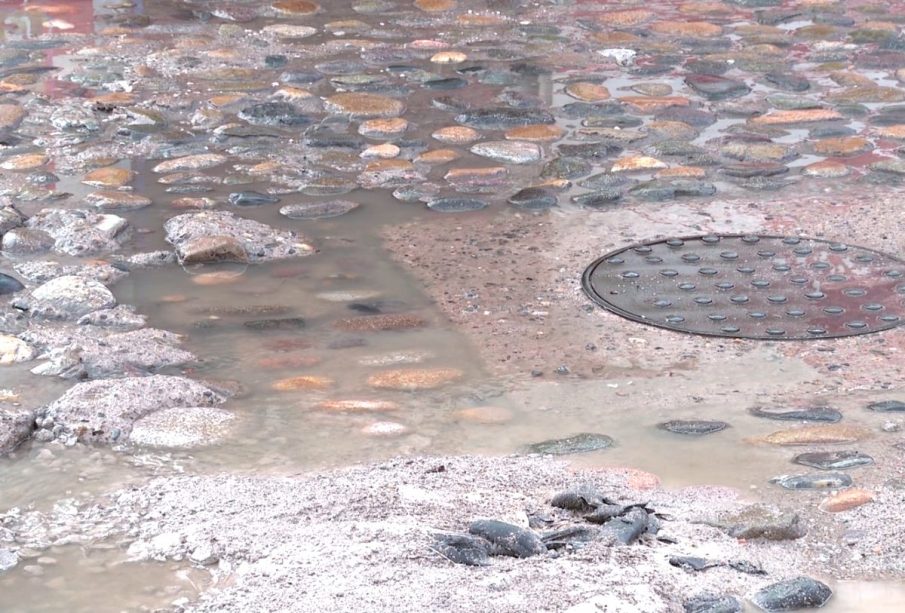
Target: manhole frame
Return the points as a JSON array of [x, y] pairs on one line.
[[590, 292]]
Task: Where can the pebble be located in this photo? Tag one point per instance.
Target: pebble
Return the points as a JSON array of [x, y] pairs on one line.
[[797, 593], [358, 406], [109, 177], [384, 151], [635, 163], [578, 443], [364, 105], [818, 414], [303, 383], [588, 92], [9, 284], [376, 323], [295, 7], [26, 161], [509, 151], [809, 435], [693, 427], [14, 350], [846, 500], [251, 199], [383, 128], [318, 210], [533, 199], [117, 201], [833, 460], [415, 379], [508, 539], [887, 406], [535, 133], [456, 205], [813, 481], [191, 162], [448, 57], [713, 603], [456, 135]]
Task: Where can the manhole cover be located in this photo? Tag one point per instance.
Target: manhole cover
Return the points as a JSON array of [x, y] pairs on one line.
[[759, 287]]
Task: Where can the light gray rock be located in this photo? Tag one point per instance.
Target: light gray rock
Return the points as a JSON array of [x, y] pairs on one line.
[[150, 259], [261, 242], [43, 271], [67, 297], [182, 427], [25, 241], [122, 317], [81, 232], [15, 427], [104, 411], [89, 351], [8, 560]]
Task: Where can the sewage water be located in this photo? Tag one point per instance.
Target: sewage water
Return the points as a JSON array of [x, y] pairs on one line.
[[205, 61]]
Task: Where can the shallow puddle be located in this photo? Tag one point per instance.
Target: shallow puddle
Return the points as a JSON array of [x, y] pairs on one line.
[[617, 105]]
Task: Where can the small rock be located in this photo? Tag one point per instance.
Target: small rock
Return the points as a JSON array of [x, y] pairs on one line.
[[849, 499], [887, 406], [713, 603], [508, 539], [414, 379], [693, 427], [813, 481], [798, 593], [833, 460], [463, 549], [578, 443], [8, 560], [70, 297], [302, 383], [210, 250], [318, 210]]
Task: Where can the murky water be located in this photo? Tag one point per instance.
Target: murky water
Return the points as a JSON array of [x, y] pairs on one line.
[[369, 46]]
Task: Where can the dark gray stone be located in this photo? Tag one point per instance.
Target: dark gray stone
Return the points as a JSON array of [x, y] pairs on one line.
[[887, 406], [251, 199], [713, 603], [693, 427], [274, 114], [833, 460], [463, 549], [798, 593], [578, 443], [508, 539], [818, 414]]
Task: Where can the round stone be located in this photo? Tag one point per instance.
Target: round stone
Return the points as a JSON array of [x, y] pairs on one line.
[[358, 105], [318, 210], [449, 57], [456, 135], [295, 7], [693, 427], [414, 379], [588, 92], [303, 383]]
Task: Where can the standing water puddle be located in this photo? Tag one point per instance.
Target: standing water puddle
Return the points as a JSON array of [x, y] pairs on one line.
[[590, 104]]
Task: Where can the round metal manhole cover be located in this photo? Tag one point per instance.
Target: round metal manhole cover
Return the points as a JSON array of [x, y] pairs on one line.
[[757, 287]]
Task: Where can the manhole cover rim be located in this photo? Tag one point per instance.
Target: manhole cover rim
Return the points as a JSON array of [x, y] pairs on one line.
[[595, 297]]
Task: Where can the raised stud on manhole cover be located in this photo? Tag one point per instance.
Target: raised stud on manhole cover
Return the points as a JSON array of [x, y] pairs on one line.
[[800, 288]]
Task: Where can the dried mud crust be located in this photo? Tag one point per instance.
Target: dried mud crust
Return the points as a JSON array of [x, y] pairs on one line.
[[360, 538], [512, 282]]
